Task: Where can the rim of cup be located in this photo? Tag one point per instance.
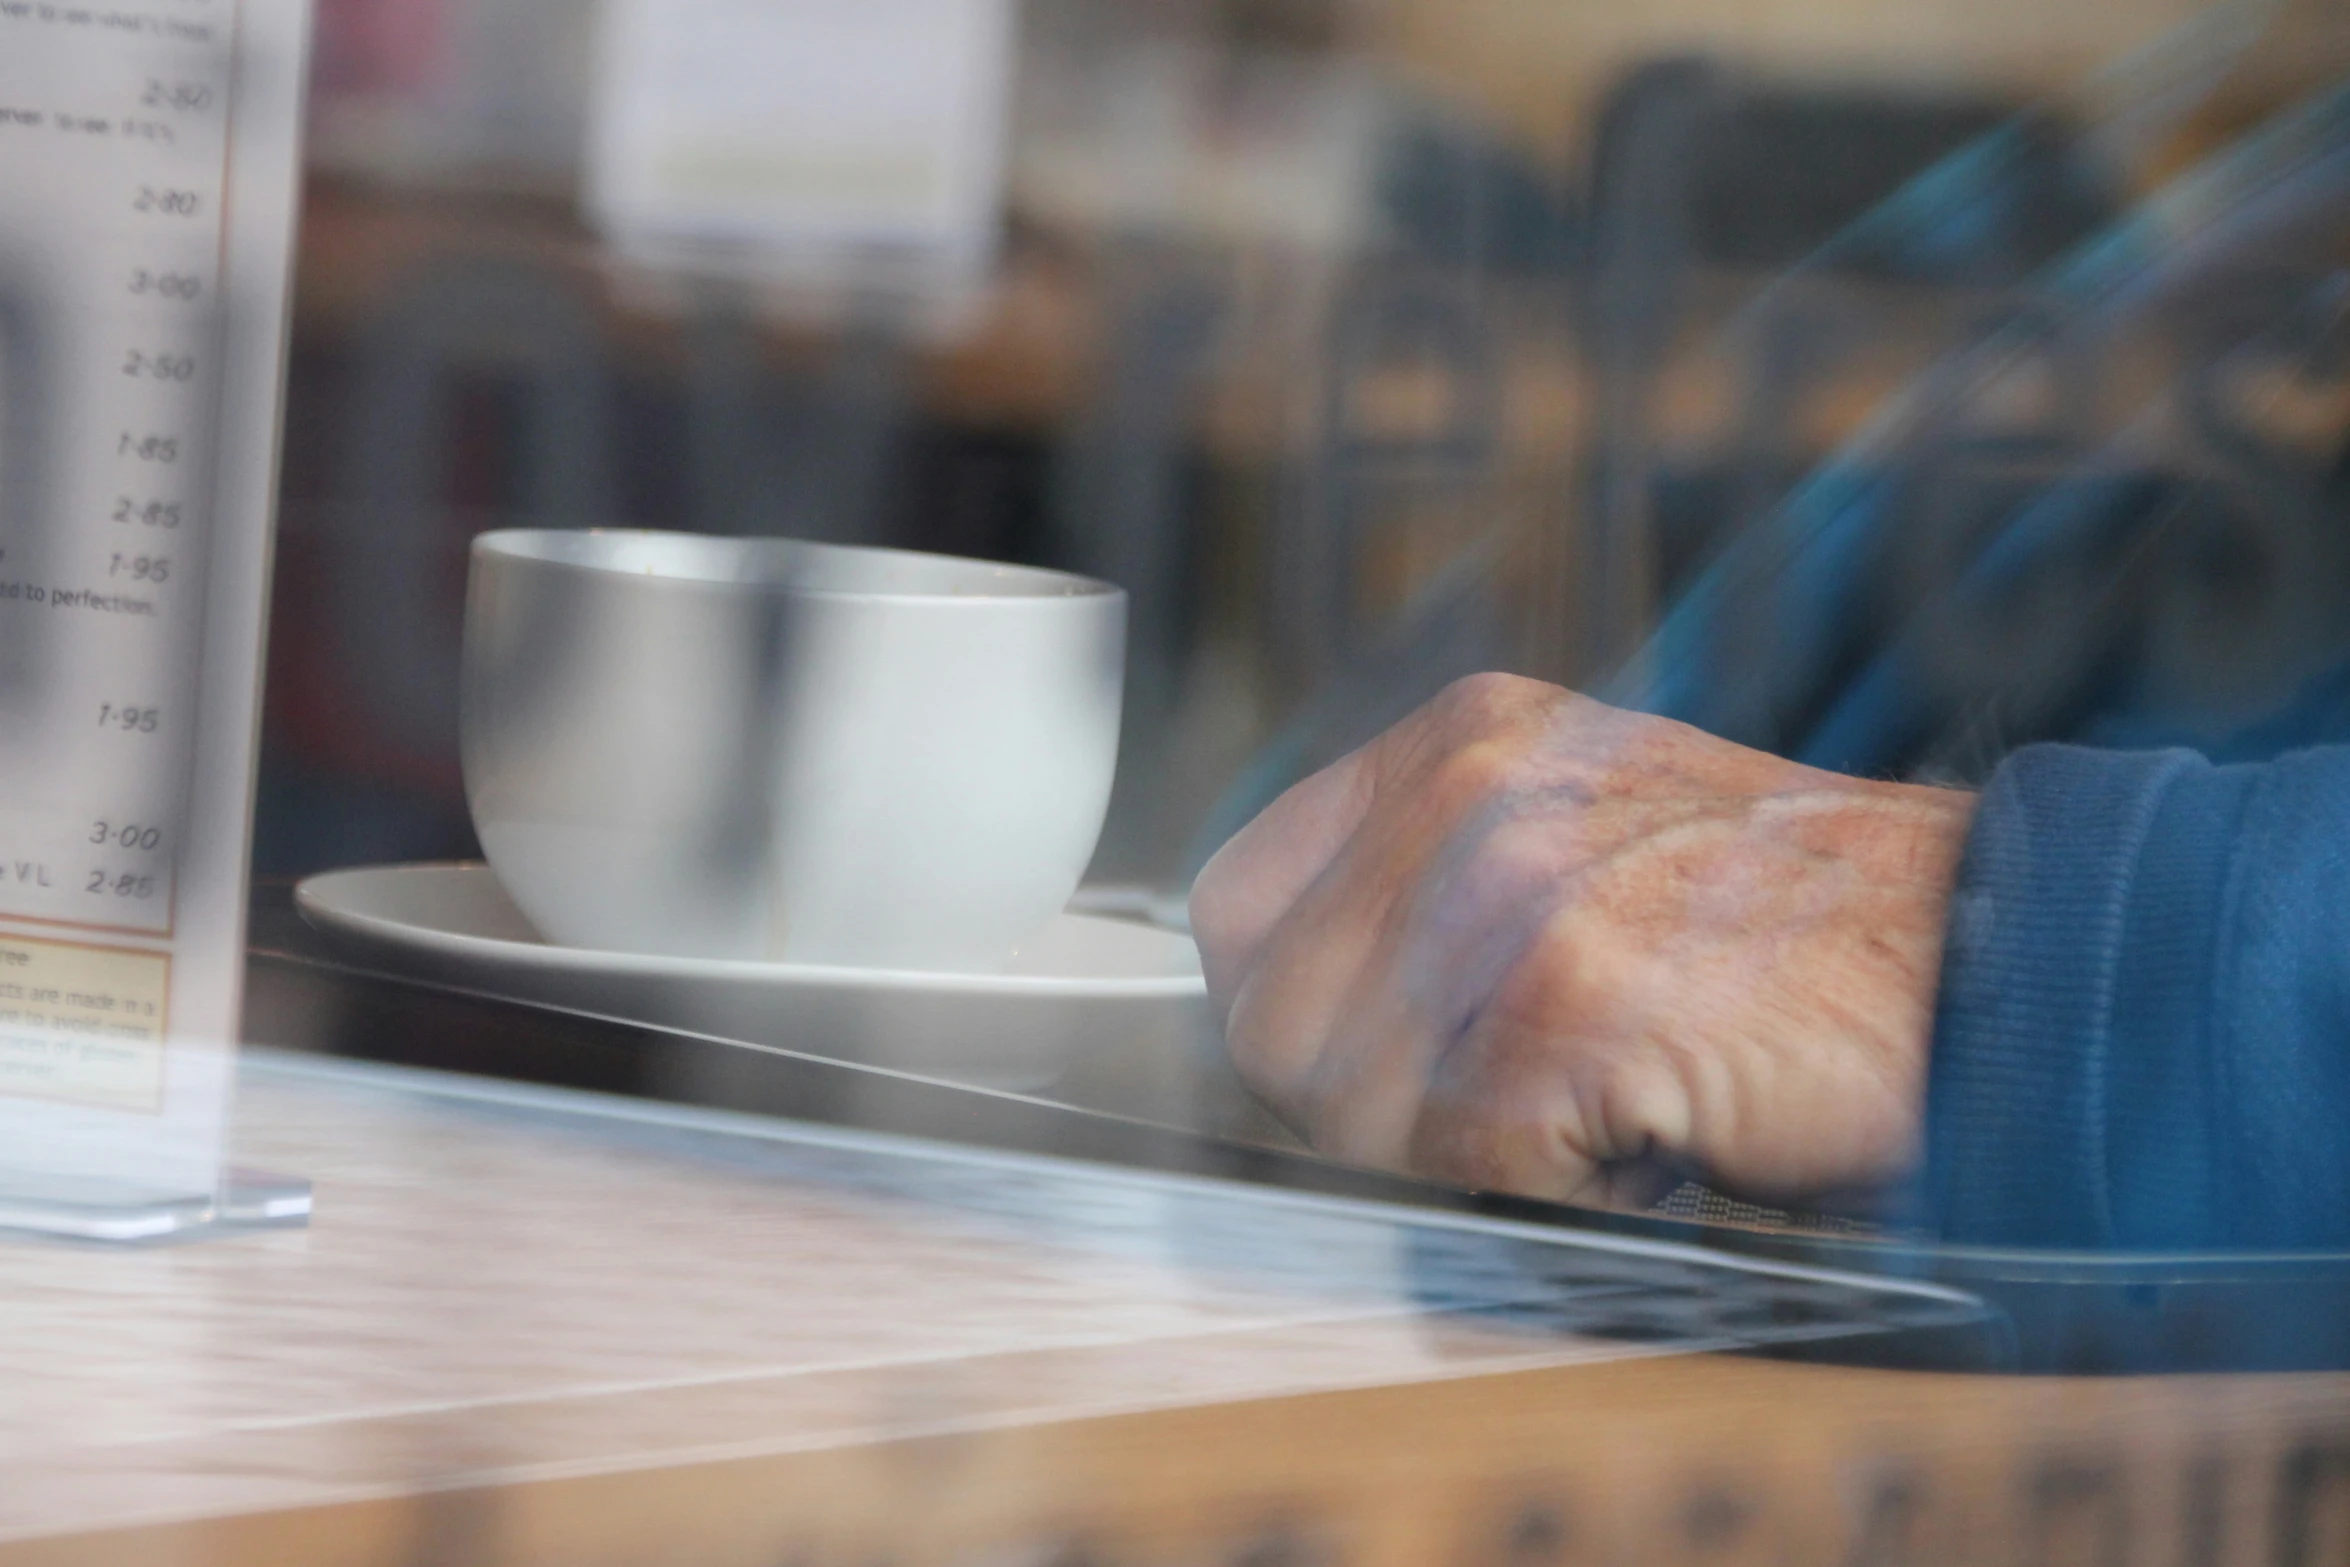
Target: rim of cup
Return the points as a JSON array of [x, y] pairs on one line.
[[795, 566]]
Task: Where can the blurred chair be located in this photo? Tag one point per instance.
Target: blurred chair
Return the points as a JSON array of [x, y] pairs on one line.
[[1408, 426], [1391, 543], [1127, 502], [1410, 386], [459, 322], [478, 395], [2082, 519], [1698, 172]]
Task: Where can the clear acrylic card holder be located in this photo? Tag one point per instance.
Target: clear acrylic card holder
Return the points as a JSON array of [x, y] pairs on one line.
[[148, 163]]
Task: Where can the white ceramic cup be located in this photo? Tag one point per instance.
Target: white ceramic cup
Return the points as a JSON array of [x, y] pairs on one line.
[[767, 750]]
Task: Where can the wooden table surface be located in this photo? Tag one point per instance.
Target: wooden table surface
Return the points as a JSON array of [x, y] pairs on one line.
[[507, 1341]]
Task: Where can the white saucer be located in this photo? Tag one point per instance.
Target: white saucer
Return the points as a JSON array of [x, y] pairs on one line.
[[1085, 984]]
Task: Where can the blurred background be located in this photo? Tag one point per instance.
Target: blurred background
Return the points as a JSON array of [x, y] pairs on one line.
[[1885, 382]]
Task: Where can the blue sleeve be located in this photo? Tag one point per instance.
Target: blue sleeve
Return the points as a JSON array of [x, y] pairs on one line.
[[2144, 1030]]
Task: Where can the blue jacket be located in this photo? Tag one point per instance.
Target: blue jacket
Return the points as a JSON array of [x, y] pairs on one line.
[[2144, 1037]]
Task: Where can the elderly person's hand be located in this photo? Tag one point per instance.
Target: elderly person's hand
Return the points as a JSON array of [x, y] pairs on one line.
[[1528, 943]]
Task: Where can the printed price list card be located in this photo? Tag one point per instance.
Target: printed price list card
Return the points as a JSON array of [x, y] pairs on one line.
[[113, 136], [147, 153]]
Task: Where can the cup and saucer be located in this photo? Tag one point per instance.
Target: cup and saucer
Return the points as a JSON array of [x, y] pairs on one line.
[[834, 800]]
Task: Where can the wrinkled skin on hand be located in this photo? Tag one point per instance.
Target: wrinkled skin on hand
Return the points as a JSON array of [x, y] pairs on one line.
[[1528, 943]]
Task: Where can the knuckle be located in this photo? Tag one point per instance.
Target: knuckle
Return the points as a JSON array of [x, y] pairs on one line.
[[1215, 899], [1475, 775], [1643, 1107], [1547, 983], [1470, 1096], [1503, 1121], [1263, 1055], [1245, 1041], [1517, 861], [1489, 721], [1486, 914], [1554, 998], [1477, 703]]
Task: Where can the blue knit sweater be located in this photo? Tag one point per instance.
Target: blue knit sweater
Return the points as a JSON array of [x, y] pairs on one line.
[[2144, 1038]]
